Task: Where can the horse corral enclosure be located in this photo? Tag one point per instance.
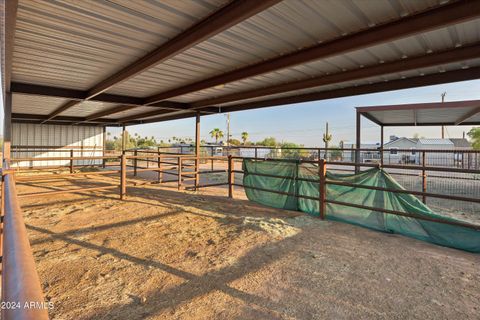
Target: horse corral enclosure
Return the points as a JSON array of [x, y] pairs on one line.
[[200, 232]]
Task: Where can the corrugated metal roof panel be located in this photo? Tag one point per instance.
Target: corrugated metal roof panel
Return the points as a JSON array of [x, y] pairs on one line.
[[78, 43], [283, 28], [131, 112], [30, 104], [86, 108]]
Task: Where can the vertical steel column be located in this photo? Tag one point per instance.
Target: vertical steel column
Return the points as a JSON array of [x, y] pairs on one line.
[[135, 153], [322, 188], [123, 176], [358, 143], [104, 146], [123, 139], [211, 153], [197, 150], [159, 165], [424, 178], [231, 176], [7, 126], [381, 145], [71, 160], [180, 173]]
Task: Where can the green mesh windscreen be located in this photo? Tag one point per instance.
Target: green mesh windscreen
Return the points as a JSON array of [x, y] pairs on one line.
[[258, 179]]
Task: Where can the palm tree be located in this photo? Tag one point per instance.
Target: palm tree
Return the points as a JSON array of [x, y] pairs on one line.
[[244, 137], [217, 134]]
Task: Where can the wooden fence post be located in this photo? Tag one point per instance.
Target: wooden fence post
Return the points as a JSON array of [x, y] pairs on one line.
[[231, 176], [256, 152], [135, 153], [322, 171], [180, 173], [71, 160], [424, 178], [159, 165], [123, 177]]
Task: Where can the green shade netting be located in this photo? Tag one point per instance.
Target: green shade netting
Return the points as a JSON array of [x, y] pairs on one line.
[[258, 179]]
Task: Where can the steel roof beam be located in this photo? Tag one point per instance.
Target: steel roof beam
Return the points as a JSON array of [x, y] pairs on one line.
[[226, 17], [432, 19], [207, 110], [419, 81], [65, 119], [80, 95], [429, 60]]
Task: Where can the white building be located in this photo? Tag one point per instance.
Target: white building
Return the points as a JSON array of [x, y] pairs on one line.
[[405, 150]]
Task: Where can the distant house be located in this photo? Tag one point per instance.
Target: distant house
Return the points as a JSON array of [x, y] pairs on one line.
[[405, 150], [461, 143]]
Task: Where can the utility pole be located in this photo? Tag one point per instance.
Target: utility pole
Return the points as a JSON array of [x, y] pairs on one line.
[[443, 127], [228, 129]]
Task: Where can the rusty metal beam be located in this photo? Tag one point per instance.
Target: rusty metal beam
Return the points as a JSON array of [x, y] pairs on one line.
[[468, 115], [428, 105], [67, 105], [63, 119], [10, 20], [429, 60], [226, 17], [72, 94], [108, 112], [206, 110], [435, 18], [420, 81]]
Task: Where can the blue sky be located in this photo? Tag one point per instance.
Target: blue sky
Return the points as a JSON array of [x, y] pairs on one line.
[[304, 123]]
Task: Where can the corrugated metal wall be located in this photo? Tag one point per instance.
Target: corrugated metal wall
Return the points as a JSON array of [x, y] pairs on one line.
[[42, 141]]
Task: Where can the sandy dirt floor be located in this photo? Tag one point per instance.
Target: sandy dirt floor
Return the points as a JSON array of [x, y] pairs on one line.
[[164, 254]]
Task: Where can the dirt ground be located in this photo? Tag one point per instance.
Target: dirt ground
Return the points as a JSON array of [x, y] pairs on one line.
[[164, 254]]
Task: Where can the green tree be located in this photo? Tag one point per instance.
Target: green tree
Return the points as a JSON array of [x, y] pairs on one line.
[[268, 142], [216, 134], [293, 150], [474, 134], [235, 142], [335, 152], [244, 137]]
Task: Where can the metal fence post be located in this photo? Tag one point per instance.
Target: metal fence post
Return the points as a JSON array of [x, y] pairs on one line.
[[256, 152], [71, 161], [159, 165], [2, 208], [322, 171], [180, 173], [211, 153], [424, 178], [135, 153], [123, 177], [231, 177]]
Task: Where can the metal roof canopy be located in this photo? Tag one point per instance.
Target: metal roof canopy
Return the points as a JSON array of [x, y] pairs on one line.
[[419, 114], [424, 114], [125, 63]]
